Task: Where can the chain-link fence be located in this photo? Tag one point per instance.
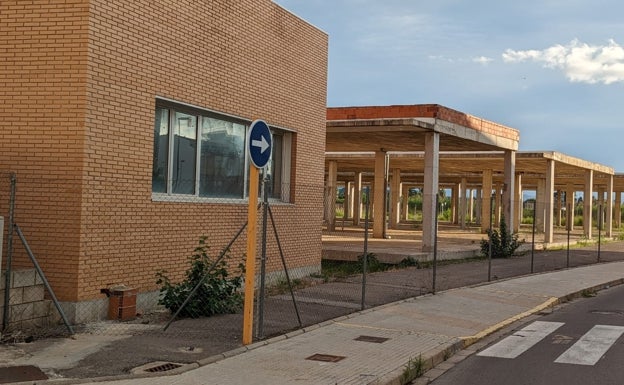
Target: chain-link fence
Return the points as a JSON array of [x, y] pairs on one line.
[[104, 257]]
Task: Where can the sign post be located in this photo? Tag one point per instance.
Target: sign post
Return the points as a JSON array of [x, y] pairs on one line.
[[259, 145]]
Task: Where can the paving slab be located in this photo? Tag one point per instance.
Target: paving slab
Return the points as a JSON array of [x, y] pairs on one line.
[[429, 328]]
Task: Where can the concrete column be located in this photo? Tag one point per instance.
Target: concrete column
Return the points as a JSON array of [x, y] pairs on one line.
[[478, 202], [404, 200], [357, 198], [570, 203], [618, 209], [462, 204], [498, 205], [540, 211], [587, 203], [509, 189], [395, 200], [471, 204], [549, 203], [455, 204], [518, 204], [380, 192], [430, 190], [558, 208], [486, 202], [330, 201], [609, 214]]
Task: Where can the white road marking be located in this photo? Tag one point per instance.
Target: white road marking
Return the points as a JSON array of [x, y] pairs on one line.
[[522, 340], [592, 346]]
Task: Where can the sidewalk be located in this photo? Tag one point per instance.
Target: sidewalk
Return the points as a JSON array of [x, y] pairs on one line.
[[431, 327]]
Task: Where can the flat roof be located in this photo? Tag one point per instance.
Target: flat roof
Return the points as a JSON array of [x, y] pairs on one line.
[[404, 128]]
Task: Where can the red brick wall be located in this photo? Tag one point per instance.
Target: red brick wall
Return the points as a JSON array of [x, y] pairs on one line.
[[422, 111], [246, 58]]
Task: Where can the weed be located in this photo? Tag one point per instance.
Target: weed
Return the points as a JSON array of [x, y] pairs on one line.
[[413, 369], [217, 293]]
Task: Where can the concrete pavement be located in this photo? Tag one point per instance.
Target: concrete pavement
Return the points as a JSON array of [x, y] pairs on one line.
[[431, 328]]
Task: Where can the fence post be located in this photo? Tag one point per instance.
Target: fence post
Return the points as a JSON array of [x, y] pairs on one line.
[[365, 256], [8, 272]]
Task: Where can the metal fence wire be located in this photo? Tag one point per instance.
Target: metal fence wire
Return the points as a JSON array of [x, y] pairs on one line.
[[120, 268]]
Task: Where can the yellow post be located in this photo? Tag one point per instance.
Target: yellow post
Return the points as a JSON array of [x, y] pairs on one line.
[[250, 264]]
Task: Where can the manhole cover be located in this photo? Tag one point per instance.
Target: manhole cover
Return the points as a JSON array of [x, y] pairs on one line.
[[373, 339], [163, 367], [21, 374], [325, 358]]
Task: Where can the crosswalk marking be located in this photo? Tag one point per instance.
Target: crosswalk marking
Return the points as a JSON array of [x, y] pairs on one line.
[[592, 346], [522, 340]]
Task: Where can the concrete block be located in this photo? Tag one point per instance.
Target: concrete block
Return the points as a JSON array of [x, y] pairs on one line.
[[38, 279], [33, 293], [16, 296], [21, 312], [23, 278], [42, 309]]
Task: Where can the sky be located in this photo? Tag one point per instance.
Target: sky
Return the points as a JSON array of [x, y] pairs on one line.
[[553, 69]]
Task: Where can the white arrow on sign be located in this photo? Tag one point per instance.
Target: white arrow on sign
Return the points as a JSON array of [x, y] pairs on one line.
[[263, 144]]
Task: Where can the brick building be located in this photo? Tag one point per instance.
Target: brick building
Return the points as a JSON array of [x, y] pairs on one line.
[[125, 124]]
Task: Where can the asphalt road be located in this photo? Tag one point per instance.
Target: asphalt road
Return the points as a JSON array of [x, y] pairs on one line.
[[578, 344]]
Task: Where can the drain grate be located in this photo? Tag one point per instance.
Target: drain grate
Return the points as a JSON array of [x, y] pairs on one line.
[[325, 358], [163, 368], [373, 339]]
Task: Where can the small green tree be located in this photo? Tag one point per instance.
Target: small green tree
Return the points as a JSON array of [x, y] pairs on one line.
[[504, 243], [218, 293]]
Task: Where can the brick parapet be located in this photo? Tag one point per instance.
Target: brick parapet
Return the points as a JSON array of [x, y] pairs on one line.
[[423, 111]]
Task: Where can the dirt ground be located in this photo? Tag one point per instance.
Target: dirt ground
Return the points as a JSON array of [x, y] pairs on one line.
[[115, 349]]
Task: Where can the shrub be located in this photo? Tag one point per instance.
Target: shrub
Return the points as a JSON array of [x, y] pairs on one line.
[[218, 293], [504, 243]]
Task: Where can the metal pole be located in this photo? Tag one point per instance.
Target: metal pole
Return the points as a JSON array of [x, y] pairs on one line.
[[365, 257], [265, 206], [435, 246], [599, 228], [201, 281], [533, 234], [490, 242], [569, 220], [43, 278], [8, 272], [279, 246]]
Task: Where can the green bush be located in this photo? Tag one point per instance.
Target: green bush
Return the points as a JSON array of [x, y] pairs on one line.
[[218, 293], [504, 243]]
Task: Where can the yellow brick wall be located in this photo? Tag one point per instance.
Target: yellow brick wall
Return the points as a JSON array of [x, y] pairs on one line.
[[43, 68], [246, 58]]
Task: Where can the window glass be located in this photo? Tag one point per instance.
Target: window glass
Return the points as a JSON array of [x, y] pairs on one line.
[[222, 161], [184, 153], [161, 151]]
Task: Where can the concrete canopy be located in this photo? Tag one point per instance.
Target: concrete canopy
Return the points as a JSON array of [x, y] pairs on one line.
[[427, 128], [569, 174]]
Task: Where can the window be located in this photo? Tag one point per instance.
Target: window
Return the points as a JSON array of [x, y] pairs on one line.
[[200, 153]]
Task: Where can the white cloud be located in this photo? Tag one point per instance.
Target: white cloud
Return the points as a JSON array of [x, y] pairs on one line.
[[482, 60], [580, 62]]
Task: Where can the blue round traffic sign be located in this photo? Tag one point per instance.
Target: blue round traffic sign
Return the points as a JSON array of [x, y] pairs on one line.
[[260, 143]]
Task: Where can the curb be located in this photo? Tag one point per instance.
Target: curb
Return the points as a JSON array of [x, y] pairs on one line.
[[397, 376], [437, 356]]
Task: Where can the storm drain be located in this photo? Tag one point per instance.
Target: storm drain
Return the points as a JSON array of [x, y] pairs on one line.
[[156, 367], [163, 368], [373, 339], [325, 358]]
